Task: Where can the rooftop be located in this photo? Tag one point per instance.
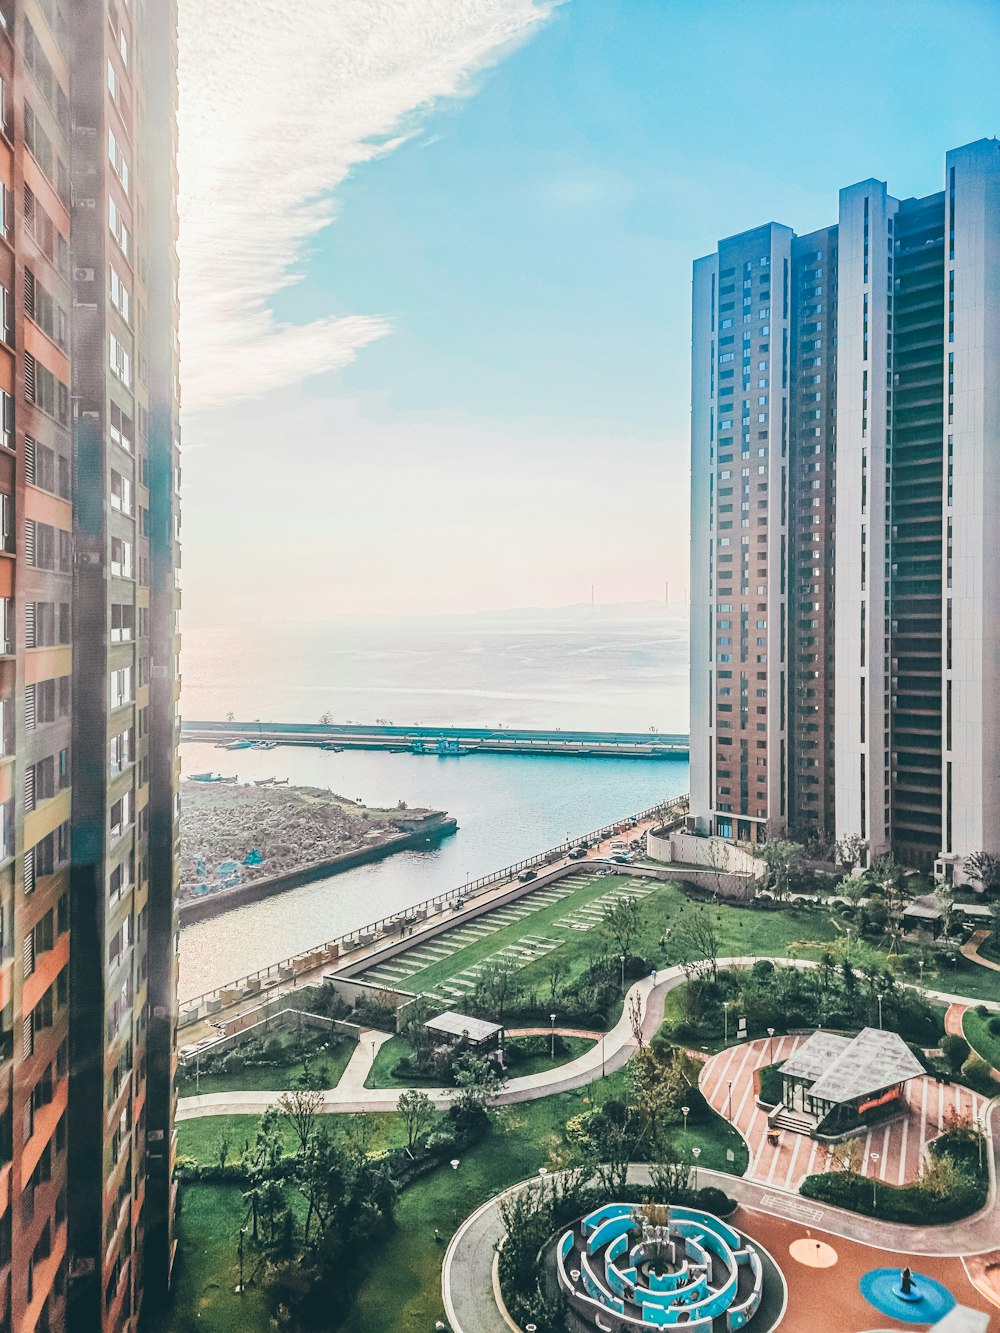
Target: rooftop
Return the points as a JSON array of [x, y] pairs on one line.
[[477, 1030], [845, 1068]]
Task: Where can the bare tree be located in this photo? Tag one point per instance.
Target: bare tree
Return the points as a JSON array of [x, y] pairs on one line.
[[635, 1017], [555, 973], [622, 920], [696, 936], [300, 1107], [849, 851], [417, 1111]]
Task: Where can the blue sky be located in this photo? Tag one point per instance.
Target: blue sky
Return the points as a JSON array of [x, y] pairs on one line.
[[509, 423]]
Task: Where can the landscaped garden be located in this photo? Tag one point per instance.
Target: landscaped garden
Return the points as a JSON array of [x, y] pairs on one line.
[[297, 1182], [284, 1059]]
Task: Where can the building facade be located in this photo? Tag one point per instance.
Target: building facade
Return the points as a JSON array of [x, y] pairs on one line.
[[881, 624], [88, 659]]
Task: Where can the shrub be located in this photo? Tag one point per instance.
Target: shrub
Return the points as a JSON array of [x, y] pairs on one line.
[[956, 1050], [981, 1011], [770, 1085], [977, 1071], [993, 1026], [636, 967]]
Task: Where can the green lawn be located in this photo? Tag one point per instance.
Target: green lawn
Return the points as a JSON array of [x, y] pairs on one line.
[[200, 1138], [207, 1268], [254, 1078], [979, 1037]]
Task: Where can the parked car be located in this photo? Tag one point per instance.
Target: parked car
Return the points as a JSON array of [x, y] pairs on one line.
[[622, 858], [577, 853], [527, 875]]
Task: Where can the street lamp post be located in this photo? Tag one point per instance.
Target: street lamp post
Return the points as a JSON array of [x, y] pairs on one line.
[[623, 971], [243, 1232], [685, 1112], [552, 1021], [696, 1153], [770, 1040], [725, 1011], [197, 1072], [602, 1055], [729, 1106], [879, 998], [875, 1160]]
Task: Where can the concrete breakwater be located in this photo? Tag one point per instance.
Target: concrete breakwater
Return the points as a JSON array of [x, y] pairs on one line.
[[416, 831]]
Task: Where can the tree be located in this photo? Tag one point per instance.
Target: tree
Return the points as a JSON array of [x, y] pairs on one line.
[[696, 937], [361, 1128], [984, 869], [846, 1156], [497, 986], [556, 969], [300, 1108], [955, 1049], [850, 850], [622, 920], [995, 921], [225, 1143], [783, 859], [417, 1111], [477, 1080], [326, 719]]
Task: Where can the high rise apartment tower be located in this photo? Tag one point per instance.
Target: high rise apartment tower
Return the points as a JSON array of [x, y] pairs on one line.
[[88, 659], [849, 427]]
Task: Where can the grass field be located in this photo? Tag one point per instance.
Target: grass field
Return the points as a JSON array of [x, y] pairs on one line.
[[980, 1038], [199, 1139]]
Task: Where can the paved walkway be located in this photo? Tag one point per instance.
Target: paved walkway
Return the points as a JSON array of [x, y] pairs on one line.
[[559, 1032], [467, 1272], [727, 1081], [971, 949], [953, 1019]]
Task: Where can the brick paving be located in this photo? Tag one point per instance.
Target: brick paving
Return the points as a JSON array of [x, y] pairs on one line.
[[900, 1144]]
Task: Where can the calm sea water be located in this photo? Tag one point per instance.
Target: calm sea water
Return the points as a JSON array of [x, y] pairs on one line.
[[528, 674]]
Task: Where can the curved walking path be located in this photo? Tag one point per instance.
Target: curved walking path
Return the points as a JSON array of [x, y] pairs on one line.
[[605, 1056], [970, 949]]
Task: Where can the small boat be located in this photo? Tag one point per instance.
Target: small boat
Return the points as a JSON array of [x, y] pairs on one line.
[[329, 745], [266, 745], [263, 782], [279, 782], [238, 745], [234, 778], [204, 777]]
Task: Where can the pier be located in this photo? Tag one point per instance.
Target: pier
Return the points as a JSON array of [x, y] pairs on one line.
[[447, 741]]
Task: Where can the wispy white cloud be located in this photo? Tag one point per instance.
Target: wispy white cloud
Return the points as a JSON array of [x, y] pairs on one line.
[[279, 103]]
